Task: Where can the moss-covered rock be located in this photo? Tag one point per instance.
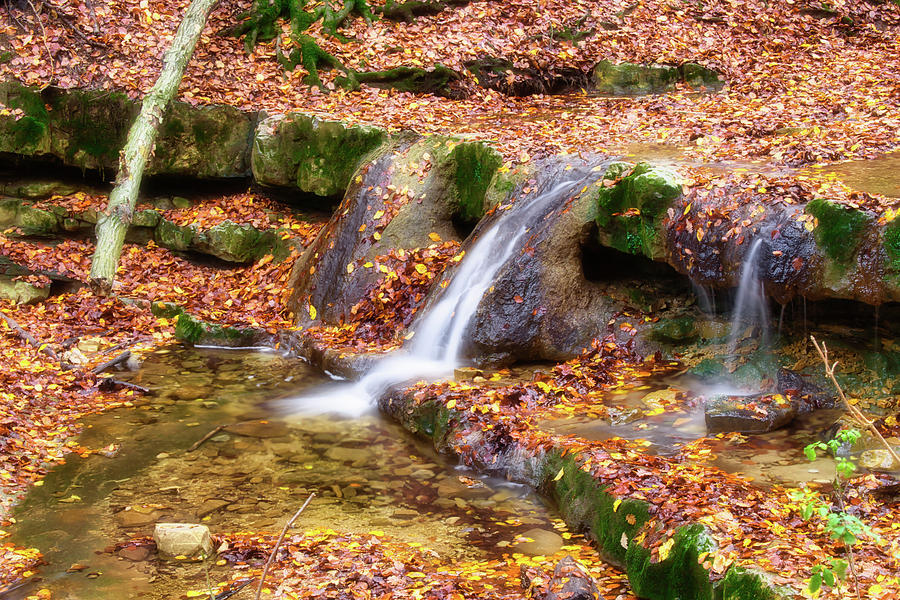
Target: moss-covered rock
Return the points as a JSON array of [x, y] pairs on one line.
[[839, 229], [37, 221], [87, 129], [682, 330], [314, 155], [196, 332], [475, 165], [632, 79], [586, 505], [21, 292], [174, 237], [741, 583], [239, 243], [677, 576], [631, 211]]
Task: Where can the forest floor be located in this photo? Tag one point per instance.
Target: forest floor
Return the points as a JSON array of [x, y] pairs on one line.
[[808, 85]]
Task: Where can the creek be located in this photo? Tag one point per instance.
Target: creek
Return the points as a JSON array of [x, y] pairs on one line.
[[367, 472]]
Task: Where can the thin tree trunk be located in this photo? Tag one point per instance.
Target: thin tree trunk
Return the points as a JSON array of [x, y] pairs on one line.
[[114, 222]]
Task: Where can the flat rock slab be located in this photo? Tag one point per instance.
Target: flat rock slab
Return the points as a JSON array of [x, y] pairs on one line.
[[182, 539], [259, 429]]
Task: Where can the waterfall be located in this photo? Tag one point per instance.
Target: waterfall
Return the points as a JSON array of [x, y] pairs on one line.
[[440, 329], [751, 305]]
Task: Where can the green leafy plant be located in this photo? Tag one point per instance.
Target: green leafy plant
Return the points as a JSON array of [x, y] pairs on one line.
[[840, 526]]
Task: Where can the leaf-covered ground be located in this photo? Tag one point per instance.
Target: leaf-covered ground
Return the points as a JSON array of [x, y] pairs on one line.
[[807, 82]]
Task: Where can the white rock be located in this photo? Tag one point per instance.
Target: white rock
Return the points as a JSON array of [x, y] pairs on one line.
[[182, 539]]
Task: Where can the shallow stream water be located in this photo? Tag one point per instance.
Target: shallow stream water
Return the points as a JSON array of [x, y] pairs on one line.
[[368, 475]]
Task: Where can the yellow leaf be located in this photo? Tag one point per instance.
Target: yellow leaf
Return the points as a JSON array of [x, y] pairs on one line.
[[377, 236], [451, 404], [421, 269], [312, 311], [378, 214], [616, 504], [666, 548], [560, 474], [349, 268], [687, 209], [434, 237]]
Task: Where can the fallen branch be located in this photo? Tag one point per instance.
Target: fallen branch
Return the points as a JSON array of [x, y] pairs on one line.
[[855, 413], [119, 359], [200, 442], [45, 348], [110, 384], [262, 578]]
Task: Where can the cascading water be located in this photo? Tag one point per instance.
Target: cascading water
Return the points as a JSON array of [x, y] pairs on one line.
[[434, 351], [751, 305]]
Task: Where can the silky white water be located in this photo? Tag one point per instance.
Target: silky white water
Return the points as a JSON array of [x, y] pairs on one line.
[[439, 331], [751, 305]]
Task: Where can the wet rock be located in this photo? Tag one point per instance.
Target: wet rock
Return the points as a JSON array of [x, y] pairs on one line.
[[427, 185], [878, 459], [422, 474], [349, 455], [194, 331], [541, 542], [748, 414], [259, 429], [570, 581], [182, 539], [136, 517], [210, 506], [134, 553]]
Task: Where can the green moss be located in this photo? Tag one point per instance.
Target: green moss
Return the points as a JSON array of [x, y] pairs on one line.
[[239, 243], [586, 505], [319, 157], [416, 80], [839, 229], [627, 79], [675, 331], [892, 247], [630, 212], [741, 583], [476, 163], [680, 576], [35, 221], [166, 310], [174, 237], [191, 330], [9, 209]]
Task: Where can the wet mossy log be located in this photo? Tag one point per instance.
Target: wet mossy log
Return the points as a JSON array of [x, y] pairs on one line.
[[113, 223]]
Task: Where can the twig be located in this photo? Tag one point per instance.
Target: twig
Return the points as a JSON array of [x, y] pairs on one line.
[[199, 442], [233, 591], [124, 356], [857, 415], [90, 6], [46, 43], [262, 578], [46, 349]]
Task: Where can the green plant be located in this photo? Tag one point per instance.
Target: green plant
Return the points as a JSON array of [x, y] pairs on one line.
[[840, 526]]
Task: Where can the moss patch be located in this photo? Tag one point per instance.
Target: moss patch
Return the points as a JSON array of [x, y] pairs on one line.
[[680, 576], [317, 156], [191, 330], [476, 163], [839, 229], [630, 212]]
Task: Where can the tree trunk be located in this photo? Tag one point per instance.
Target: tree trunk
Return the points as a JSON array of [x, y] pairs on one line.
[[114, 222]]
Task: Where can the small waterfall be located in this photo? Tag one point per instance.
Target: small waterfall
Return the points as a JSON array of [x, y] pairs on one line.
[[440, 329], [706, 298], [751, 305]]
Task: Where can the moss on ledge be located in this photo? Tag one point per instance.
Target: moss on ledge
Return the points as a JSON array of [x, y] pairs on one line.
[[630, 212], [196, 332], [839, 229]]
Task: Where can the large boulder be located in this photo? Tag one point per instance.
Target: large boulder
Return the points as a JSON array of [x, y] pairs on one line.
[[87, 129], [414, 192]]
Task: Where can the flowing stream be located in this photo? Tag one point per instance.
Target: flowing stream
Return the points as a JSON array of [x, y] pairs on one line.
[[751, 305], [435, 350]]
